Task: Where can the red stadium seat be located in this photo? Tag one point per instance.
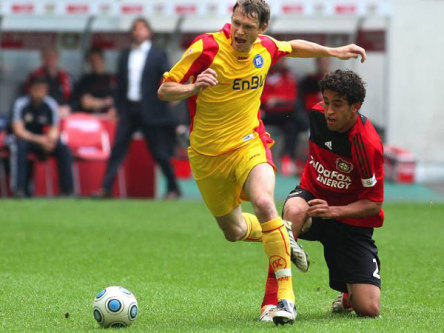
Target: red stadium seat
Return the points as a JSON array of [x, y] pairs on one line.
[[89, 143], [45, 176], [86, 137]]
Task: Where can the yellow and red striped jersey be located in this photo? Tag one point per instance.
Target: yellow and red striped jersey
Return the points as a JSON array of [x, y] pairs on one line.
[[226, 116]]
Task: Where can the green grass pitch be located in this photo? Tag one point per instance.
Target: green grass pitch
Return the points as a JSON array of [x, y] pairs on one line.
[[55, 255]]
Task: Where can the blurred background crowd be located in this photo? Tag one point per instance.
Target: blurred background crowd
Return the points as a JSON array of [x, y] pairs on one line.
[[79, 114]]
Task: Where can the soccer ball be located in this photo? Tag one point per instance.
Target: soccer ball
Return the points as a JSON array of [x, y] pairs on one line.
[[115, 307]]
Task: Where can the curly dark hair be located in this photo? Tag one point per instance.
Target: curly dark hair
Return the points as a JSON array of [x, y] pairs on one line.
[[346, 83], [255, 8]]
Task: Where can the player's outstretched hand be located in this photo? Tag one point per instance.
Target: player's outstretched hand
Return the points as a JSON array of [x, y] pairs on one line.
[[207, 78], [349, 51], [320, 208]]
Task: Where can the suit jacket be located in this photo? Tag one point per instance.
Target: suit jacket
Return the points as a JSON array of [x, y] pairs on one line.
[[154, 111]]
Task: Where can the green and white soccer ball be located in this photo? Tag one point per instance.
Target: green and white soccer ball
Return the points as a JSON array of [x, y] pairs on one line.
[[115, 307]]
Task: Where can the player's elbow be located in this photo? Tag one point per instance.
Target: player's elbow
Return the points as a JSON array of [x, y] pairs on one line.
[[375, 208], [371, 208]]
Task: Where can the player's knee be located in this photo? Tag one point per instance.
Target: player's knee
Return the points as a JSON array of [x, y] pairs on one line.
[[264, 205], [294, 213], [232, 237], [233, 234], [369, 308]]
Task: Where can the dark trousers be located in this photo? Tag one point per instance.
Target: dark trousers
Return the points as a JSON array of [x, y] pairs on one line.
[[160, 140], [292, 124], [20, 164]]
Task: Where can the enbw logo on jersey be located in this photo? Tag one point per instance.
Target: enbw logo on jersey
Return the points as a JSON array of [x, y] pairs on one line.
[[258, 61], [254, 83]]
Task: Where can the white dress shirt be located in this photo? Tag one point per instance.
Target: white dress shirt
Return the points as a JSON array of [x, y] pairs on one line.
[[136, 63]]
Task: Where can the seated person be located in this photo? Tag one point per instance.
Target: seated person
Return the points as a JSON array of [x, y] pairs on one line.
[[35, 127], [309, 90], [279, 109], [94, 91], [59, 81]]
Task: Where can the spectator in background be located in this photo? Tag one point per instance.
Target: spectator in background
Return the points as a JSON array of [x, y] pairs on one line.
[[94, 92], [59, 81], [35, 123], [279, 106], [140, 71], [309, 90]]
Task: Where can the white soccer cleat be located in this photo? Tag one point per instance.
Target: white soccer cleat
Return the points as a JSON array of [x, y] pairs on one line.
[[341, 304], [267, 313], [285, 312], [298, 256]]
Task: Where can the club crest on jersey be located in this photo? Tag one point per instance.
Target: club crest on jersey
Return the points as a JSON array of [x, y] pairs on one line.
[[28, 117], [343, 166], [334, 179], [258, 61]]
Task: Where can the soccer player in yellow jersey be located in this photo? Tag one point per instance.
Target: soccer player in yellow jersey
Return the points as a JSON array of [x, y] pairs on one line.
[[223, 74]]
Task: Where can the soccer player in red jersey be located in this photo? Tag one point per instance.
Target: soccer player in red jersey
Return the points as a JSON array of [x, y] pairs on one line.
[[339, 199], [222, 74]]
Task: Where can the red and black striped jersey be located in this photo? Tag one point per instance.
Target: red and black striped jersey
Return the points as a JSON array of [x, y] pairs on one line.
[[345, 167]]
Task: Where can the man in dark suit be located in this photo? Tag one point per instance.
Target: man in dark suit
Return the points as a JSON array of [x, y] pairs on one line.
[[140, 71]]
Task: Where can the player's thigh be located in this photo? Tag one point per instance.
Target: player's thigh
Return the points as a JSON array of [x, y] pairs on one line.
[[254, 171], [220, 195], [219, 190], [365, 299], [260, 181], [222, 199], [256, 175], [351, 255], [260, 189]]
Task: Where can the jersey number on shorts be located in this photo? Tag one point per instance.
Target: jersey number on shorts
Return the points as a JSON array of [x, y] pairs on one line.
[[376, 272]]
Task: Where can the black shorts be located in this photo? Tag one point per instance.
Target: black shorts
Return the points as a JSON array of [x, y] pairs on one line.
[[350, 251]]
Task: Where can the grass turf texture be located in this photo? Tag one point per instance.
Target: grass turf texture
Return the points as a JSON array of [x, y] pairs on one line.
[[56, 255]]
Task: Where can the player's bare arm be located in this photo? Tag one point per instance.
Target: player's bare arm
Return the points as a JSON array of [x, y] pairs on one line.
[[306, 49], [173, 91], [321, 208]]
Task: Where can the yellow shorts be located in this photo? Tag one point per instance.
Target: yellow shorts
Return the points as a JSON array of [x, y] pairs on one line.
[[221, 178]]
